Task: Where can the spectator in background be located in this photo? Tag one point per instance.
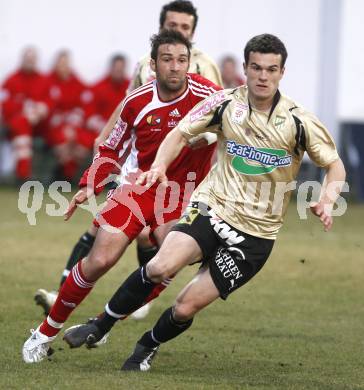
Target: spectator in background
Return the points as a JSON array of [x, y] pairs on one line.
[[24, 110], [231, 77], [107, 94], [67, 98]]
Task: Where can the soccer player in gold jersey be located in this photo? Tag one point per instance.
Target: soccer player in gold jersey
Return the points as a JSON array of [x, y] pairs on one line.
[[237, 211]]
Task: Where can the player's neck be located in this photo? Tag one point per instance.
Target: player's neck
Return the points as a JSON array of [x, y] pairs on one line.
[[166, 95], [261, 104]]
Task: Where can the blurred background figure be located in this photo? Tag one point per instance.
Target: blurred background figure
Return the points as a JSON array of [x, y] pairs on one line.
[[24, 110], [67, 134], [107, 94], [231, 72]]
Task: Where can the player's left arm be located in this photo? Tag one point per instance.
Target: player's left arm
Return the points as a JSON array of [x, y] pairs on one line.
[[321, 148], [331, 188]]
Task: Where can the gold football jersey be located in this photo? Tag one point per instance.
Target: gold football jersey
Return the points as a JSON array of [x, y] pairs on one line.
[[259, 155], [200, 63]]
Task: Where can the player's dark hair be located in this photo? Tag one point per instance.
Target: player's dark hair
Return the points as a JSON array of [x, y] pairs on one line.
[[168, 37], [117, 57], [182, 6], [265, 43]]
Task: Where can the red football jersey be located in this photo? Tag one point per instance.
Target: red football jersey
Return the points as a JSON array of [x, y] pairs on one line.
[[66, 100], [20, 87], [144, 122], [108, 94]]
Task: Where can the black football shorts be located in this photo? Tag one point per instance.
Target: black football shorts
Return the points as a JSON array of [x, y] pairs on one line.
[[233, 256]]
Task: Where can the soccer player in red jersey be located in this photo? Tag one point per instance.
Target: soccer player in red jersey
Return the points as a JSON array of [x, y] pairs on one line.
[[146, 117], [178, 15]]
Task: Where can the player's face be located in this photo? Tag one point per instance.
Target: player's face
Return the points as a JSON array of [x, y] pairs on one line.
[[171, 67], [263, 74], [181, 22]]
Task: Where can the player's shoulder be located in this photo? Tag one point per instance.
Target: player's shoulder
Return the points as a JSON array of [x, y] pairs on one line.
[[144, 61], [198, 81], [139, 96], [298, 113], [293, 107], [198, 54]]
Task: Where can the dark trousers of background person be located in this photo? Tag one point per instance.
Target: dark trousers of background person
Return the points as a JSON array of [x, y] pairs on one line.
[[356, 131]]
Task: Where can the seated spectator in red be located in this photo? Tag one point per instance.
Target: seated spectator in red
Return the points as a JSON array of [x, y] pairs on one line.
[[107, 94], [67, 134], [24, 110], [231, 77]]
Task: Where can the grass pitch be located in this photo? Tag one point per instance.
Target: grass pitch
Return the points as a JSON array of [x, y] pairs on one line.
[[299, 324]]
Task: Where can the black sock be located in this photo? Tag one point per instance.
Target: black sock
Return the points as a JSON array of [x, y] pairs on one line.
[[105, 322], [129, 297], [146, 254], [166, 328], [80, 250]]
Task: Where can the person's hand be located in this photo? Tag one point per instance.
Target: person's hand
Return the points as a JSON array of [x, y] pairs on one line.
[[150, 177], [323, 211], [80, 197], [98, 141]]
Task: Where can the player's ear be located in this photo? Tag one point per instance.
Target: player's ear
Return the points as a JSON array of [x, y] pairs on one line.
[[244, 66], [152, 65]]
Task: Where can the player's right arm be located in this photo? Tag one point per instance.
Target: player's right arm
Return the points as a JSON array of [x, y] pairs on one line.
[[105, 132]]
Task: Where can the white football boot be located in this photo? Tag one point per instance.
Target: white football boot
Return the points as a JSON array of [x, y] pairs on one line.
[[45, 299], [36, 348]]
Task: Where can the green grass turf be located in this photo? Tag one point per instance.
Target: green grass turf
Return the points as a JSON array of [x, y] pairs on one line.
[[299, 324]]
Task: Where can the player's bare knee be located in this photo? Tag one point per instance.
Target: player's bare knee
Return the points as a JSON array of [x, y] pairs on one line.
[[157, 271], [184, 311], [100, 262]]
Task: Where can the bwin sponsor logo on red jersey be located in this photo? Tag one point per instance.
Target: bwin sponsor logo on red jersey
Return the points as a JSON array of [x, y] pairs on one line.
[[172, 123], [117, 134]]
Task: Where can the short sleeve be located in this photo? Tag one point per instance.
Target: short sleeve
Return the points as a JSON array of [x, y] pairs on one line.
[[320, 145], [204, 117]]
